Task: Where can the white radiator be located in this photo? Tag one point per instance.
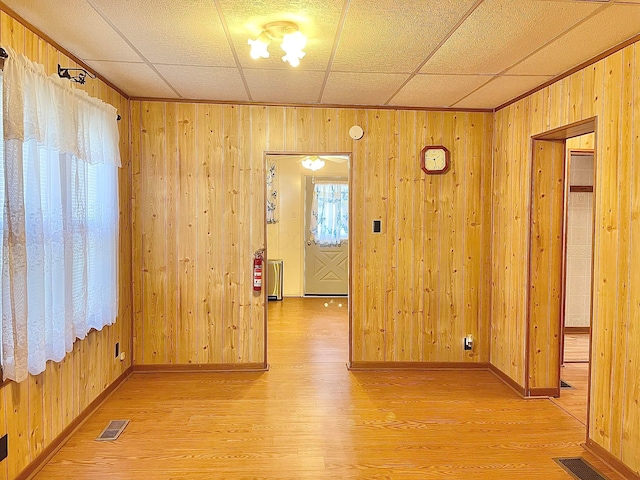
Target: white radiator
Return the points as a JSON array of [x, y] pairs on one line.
[[274, 279]]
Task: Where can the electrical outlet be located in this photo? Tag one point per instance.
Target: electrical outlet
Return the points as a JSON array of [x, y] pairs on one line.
[[117, 349], [468, 342], [3, 447]]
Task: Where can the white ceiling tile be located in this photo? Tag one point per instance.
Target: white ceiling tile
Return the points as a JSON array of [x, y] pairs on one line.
[[437, 90], [136, 79], [171, 32], [388, 37], [500, 32], [583, 42], [361, 88], [500, 90], [317, 19], [77, 27], [205, 83], [284, 86]]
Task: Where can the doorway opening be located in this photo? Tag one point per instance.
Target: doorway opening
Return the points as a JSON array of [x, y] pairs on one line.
[[560, 281], [307, 254]]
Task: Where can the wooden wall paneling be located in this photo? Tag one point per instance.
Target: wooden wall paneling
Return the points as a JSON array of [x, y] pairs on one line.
[[137, 202], [631, 416], [415, 323], [244, 227], [406, 241], [623, 188], [276, 123], [17, 410], [360, 229], [154, 237], [174, 349], [37, 421], [461, 179], [12, 33], [187, 227], [345, 120], [258, 221], [607, 227], [486, 247], [473, 225], [426, 241], [304, 132], [390, 281], [231, 232], [375, 243], [4, 466], [576, 96]]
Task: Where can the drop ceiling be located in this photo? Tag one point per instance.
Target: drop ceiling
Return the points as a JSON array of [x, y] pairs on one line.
[[463, 54]]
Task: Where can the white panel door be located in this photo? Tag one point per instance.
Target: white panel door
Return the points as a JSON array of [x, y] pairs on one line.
[[326, 268]]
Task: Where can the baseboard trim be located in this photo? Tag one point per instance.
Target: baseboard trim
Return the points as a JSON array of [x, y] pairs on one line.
[[544, 392], [379, 366], [507, 380], [577, 330], [610, 460], [41, 460], [201, 367]]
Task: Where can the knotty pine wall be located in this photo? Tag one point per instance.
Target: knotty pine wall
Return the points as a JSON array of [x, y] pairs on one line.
[[610, 90], [34, 412], [198, 216]]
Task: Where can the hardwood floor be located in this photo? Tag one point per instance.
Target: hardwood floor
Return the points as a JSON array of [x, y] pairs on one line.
[[574, 400], [308, 417], [576, 347]]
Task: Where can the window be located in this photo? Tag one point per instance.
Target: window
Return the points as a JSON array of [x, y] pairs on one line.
[[330, 213], [60, 192]]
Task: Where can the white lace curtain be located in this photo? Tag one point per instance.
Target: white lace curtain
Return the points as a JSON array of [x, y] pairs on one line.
[[330, 213], [60, 217]]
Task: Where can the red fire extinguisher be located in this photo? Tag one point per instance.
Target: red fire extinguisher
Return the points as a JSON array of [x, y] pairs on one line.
[[258, 260]]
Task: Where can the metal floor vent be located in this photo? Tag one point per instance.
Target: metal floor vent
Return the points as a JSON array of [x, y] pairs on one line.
[[564, 384], [579, 469], [112, 431]]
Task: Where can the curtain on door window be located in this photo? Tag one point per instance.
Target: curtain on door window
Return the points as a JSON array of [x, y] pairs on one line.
[[60, 217], [272, 192], [330, 213]]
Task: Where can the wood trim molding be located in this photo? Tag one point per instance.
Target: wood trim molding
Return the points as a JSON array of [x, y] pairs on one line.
[[61, 49], [612, 461], [576, 330], [544, 392], [201, 367], [41, 460], [507, 380], [381, 366], [312, 105], [570, 72], [564, 132]]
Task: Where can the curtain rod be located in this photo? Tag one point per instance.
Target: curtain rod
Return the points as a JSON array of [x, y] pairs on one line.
[[63, 72]]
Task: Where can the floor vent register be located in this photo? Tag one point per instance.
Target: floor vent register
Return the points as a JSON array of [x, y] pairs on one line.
[[579, 469], [112, 431]]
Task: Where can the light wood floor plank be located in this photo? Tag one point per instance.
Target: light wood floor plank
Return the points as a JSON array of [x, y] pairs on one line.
[[308, 417]]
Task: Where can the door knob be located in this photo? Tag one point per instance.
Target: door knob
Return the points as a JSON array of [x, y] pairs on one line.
[[308, 243]]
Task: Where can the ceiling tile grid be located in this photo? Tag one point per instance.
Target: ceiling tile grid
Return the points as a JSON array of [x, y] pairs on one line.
[[469, 53]]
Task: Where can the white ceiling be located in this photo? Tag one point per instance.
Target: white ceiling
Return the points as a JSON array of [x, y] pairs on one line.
[[410, 53]]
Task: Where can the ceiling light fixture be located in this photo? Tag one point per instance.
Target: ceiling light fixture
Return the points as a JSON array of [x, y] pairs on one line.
[[292, 42], [313, 163]]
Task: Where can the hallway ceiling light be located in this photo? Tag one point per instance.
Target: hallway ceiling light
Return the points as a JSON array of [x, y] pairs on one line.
[[313, 163], [289, 36]]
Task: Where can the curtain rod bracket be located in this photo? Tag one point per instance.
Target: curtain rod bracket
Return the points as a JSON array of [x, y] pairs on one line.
[[3, 53], [80, 78]]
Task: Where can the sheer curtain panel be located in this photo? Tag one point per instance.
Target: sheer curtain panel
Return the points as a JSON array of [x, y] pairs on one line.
[[60, 217], [330, 213]]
